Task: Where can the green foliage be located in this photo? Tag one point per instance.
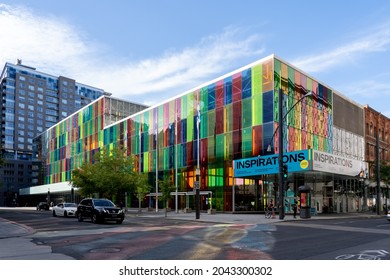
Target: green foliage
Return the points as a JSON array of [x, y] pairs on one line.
[[83, 179], [166, 187], [385, 172], [110, 176], [142, 187]]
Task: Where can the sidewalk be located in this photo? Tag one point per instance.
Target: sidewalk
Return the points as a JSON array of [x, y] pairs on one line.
[[252, 218], [16, 244], [15, 239]]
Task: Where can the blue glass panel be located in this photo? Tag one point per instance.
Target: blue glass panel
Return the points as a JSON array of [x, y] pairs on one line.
[[183, 132], [184, 150], [268, 106], [268, 132], [246, 83], [228, 90]]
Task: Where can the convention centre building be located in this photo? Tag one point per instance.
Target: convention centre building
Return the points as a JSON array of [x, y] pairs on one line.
[[225, 131]]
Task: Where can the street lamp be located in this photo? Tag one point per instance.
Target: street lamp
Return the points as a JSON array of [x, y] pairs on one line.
[[280, 147]]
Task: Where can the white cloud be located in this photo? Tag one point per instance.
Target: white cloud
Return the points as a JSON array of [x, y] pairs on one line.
[[54, 46], [183, 69], [44, 42], [378, 40], [369, 89]]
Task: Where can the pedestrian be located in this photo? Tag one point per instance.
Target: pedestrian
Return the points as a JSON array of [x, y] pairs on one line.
[[271, 208], [295, 208]]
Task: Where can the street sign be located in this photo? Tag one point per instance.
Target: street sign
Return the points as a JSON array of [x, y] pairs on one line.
[[196, 185]]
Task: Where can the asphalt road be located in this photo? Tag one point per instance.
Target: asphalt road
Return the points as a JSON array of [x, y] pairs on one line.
[[151, 238]]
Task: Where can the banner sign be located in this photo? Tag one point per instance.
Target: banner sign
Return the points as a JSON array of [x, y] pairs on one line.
[[261, 165], [338, 165]]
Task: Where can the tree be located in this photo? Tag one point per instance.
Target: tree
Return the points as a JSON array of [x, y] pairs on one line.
[[142, 187], [111, 175], [166, 187], [83, 179]]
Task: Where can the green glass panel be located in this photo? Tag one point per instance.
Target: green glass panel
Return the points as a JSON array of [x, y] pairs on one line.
[[257, 110], [246, 112], [219, 177], [203, 125], [277, 74], [257, 79], [204, 98], [220, 146], [229, 117], [228, 146], [183, 105], [146, 162], [180, 158], [211, 149], [315, 142], [166, 159], [190, 117], [160, 117], [211, 123], [247, 142]]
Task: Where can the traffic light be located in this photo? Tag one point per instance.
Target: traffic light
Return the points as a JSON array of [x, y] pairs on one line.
[[285, 171]]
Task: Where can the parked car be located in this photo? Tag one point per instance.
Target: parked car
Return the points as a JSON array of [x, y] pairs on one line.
[[43, 206], [99, 210], [65, 209], [388, 215]]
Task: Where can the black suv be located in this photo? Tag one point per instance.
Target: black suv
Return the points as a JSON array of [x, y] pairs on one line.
[[99, 210], [43, 206]]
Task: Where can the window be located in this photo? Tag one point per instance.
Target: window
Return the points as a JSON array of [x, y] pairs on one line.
[[51, 119], [51, 99]]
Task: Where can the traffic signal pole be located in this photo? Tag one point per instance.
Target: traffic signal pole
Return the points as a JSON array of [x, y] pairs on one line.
[[280, 148]]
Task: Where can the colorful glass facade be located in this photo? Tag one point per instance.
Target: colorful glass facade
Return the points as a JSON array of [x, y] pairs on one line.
[[238, 117]]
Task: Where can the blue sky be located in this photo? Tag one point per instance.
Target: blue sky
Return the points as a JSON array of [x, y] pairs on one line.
[[148, 51]]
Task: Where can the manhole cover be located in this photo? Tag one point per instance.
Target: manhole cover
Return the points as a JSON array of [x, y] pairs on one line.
[[105, 250]]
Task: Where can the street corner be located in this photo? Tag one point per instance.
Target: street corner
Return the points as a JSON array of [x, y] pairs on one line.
[[11, 229]]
